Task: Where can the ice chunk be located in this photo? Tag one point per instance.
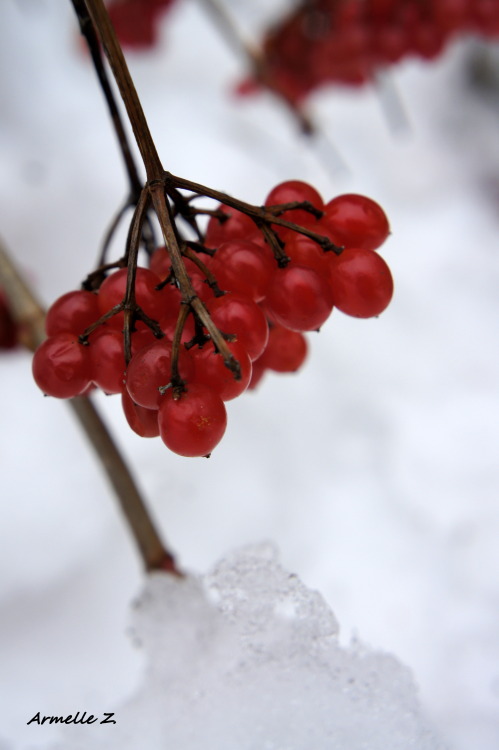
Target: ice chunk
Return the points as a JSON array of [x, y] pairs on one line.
[[247, 658]]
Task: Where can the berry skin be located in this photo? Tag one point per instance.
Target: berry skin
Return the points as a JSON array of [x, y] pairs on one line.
[[361, 283], [299, 299], [150, 368], [212, 372], [112, 292], [160, 262], [293, 191], [259, 370], [193, 424], [237, 226], [61, 366], [73, 312], [286, 350], [239, 315], [244, 268], [142, 421], [108, 360], [356, 221], [302, 251]]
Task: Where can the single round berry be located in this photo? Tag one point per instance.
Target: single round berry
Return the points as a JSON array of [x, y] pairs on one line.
[[299, 299], [142, 421], [243, 267], [150, 369], [61, 366], [194, 423], [302, 251], [361, 283], [211, 370], [236, 226], [286, 350], [113, 288], [356, 221], [242, 317], [160, 263], [74, 312], [169, 323], [295, 191], [108, 360], [259, 370]]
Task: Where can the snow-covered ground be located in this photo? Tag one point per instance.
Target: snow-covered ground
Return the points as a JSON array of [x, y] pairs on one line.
[[374, 471]]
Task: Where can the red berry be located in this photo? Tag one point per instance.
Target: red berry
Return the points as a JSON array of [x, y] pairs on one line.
[[243, 267], [237, 226], [212, 371], [356, 221], [193, 424], [451, 15], [150, 368], [304, 252], [108, 360], [361, 283], [259, 370], [160, 263], [61, 366], [112, 292], [390, 43], [72, 312], [286, 350], [169, 324], [286, 234], [299, 299], [295, 191], [142, 421], [239, 315]]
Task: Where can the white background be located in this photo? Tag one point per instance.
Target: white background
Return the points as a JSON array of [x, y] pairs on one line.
[[374, 470]]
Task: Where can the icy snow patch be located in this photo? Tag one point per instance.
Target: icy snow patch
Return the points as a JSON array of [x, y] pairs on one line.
[[247, 658]]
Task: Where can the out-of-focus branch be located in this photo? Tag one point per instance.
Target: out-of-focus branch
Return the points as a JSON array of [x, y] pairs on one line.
[[29, 316], [257, 62]]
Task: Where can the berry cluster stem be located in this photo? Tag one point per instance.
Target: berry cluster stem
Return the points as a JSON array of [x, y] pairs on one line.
[[155, 185], [114, 54]]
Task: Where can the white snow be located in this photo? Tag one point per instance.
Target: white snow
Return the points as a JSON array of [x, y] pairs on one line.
[[374, 470], [248, 657]]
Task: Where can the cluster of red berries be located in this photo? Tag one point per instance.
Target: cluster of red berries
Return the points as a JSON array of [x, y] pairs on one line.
[[136, 21], [261, 308], [348, 41]]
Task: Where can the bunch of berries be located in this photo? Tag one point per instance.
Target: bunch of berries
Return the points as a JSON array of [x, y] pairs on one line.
[[348, 41], [261, 284]]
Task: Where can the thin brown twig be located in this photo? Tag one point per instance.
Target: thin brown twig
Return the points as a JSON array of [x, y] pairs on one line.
[[135, 184], [261, 215], [114, 54], [156, 182]]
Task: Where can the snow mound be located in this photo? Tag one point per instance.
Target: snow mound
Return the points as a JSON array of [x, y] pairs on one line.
[[247, 658]]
